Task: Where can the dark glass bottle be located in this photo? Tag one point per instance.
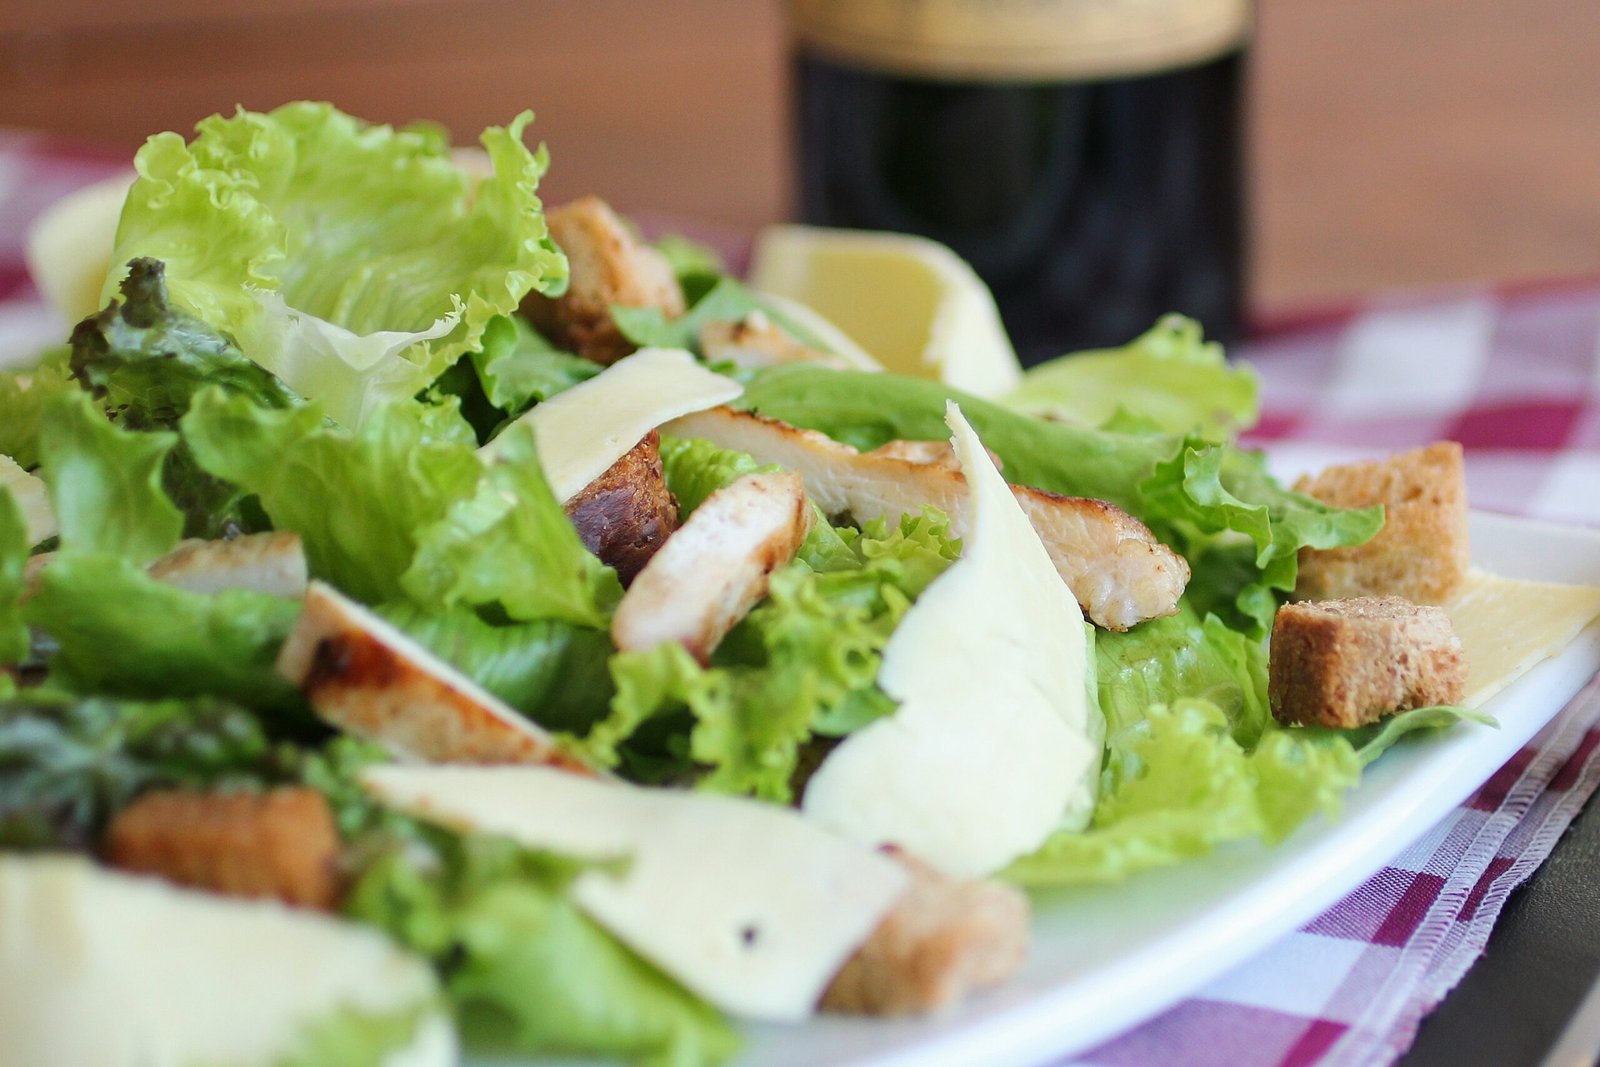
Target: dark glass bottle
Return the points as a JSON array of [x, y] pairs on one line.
[[1091, 205]]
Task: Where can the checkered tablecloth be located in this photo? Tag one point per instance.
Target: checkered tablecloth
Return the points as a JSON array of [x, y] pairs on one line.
[[1512, 374]]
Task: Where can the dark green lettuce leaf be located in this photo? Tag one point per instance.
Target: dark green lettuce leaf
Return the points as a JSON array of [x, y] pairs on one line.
[[68, 763], [144, 360], [551, 671]]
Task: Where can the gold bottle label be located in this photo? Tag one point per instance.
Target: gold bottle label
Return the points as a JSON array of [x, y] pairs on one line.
[[1022, 40]]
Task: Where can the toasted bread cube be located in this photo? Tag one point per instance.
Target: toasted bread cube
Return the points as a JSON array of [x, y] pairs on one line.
[[280, 844], [944, 939], [1421, 553], [609, 265], [1346, 663]]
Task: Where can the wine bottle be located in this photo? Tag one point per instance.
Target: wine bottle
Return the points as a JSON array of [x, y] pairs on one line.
[[1084, 155]]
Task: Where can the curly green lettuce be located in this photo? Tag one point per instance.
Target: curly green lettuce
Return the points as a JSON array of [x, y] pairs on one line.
[[355, 262]]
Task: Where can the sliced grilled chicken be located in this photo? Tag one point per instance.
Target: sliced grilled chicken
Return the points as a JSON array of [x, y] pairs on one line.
[[369, 679], [609, 265], [943, 940], [272, 563], [755, 341], [1110, 560], [628, 512], [716, 567]]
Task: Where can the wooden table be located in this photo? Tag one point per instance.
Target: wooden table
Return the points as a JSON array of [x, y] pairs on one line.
[[1396, 144]]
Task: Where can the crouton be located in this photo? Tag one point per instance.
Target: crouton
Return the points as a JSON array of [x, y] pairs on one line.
[[1420, 554], [944, 939], [1346, 663], [280, 844], [609, 265], [628, 512], [714, 570]]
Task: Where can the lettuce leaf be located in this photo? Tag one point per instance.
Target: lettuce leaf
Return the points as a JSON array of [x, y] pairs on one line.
[[1183, 655], [526, 971], [510, 543], [105, 482], [144, 360], [551, 671], [1168, 376], [694, 469], [23, 395], [1179, 785], [517, 367], [121, 632], [358, 499], [355, 262], [14, 551], [68, 763], [1374, 739], [803, 663]]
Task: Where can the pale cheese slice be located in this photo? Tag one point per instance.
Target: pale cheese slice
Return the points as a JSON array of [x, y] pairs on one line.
[[1507, 626], [103, 968], [996, 742], [584, 430], [32, 497], [745, 903]]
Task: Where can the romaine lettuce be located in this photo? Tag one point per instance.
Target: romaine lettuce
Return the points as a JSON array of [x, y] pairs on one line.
[[358, 499], [13, 559], [105, 482], [23, 395], [356, 262], [510, 543]]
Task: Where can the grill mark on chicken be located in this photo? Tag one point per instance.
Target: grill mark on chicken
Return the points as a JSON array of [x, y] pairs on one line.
[[625, 515]]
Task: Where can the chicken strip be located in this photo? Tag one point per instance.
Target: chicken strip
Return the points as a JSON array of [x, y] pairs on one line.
[[755, 341], [944, 939], [625, 515], [609, 265], [1110, 560], [369, 679], [280, 844], [715, 569], [272, 563]]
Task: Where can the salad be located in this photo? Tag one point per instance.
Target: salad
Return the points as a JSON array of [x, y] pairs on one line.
[[511, 632]]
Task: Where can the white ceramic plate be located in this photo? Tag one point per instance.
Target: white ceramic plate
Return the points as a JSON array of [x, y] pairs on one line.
[[1105, 959]]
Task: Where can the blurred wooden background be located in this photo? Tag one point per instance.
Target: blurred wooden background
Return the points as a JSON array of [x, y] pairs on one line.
[[1395, 143]]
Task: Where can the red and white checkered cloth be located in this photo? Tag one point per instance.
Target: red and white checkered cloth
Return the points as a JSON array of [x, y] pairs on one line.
[[1512, 375]]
